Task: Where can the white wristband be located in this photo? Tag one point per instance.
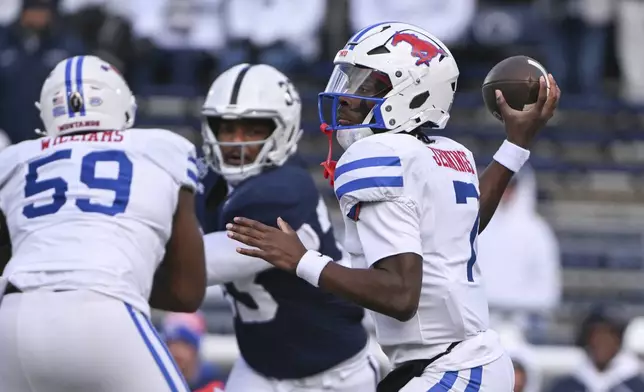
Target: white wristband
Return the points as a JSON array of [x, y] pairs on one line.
[[511, 156], [311, 265]]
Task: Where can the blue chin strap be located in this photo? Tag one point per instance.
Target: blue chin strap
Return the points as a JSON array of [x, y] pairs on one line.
[[334, 125]]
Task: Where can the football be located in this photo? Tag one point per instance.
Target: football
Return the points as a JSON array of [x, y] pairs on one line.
[[518, 79]]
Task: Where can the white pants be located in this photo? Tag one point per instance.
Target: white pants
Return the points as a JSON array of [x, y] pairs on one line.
[[81, 341], [497, 376], [358, 374]]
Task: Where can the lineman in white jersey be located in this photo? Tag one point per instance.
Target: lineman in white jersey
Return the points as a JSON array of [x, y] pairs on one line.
[[99, 223], [411, 210]]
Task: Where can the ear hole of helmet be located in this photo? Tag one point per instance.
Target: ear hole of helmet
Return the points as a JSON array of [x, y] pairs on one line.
[[419, 100], [378, 50]]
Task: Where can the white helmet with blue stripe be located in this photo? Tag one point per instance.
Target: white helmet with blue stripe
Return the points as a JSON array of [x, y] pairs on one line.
[[85, 93], [390, 77]]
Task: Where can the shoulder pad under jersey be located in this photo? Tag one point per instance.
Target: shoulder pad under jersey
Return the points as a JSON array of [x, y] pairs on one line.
[[368, 171], [172, 152]]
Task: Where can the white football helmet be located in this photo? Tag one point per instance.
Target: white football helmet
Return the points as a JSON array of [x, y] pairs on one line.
[[252, 92], [416, 77], [85, 93]]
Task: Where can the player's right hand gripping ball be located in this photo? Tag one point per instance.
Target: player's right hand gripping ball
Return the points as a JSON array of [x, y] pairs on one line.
[[518, 79]]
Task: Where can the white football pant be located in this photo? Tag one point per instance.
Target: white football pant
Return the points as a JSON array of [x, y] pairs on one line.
[[497, 376], [81, 341], [357, 374]]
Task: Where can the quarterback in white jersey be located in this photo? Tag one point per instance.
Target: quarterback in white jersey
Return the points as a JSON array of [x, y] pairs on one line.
[[413, 206], [99, 224]]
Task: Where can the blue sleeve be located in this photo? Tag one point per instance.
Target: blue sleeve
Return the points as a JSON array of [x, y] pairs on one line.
[[286, 192], [209, 201]]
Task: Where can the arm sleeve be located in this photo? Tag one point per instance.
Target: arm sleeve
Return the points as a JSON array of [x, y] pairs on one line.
[[389, 228], [224, 264]]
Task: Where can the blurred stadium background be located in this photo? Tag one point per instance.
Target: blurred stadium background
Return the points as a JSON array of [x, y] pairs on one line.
[[589, 163]]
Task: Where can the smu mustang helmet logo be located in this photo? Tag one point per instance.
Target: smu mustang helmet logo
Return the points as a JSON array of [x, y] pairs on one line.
[[424, 50]]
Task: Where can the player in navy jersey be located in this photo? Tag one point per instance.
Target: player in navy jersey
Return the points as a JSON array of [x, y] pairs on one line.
[[291, 334]]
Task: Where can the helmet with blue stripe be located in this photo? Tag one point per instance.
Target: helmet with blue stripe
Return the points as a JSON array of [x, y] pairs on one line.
[[85, 93], [390, 77]]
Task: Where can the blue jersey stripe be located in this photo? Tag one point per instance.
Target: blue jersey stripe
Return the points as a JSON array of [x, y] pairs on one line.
[[369, 182], [476, 377], [193, 170], [193, 176], [446, 383], [366, 162], [157, 359], [193, 165], [79, 82], [68, 85]]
